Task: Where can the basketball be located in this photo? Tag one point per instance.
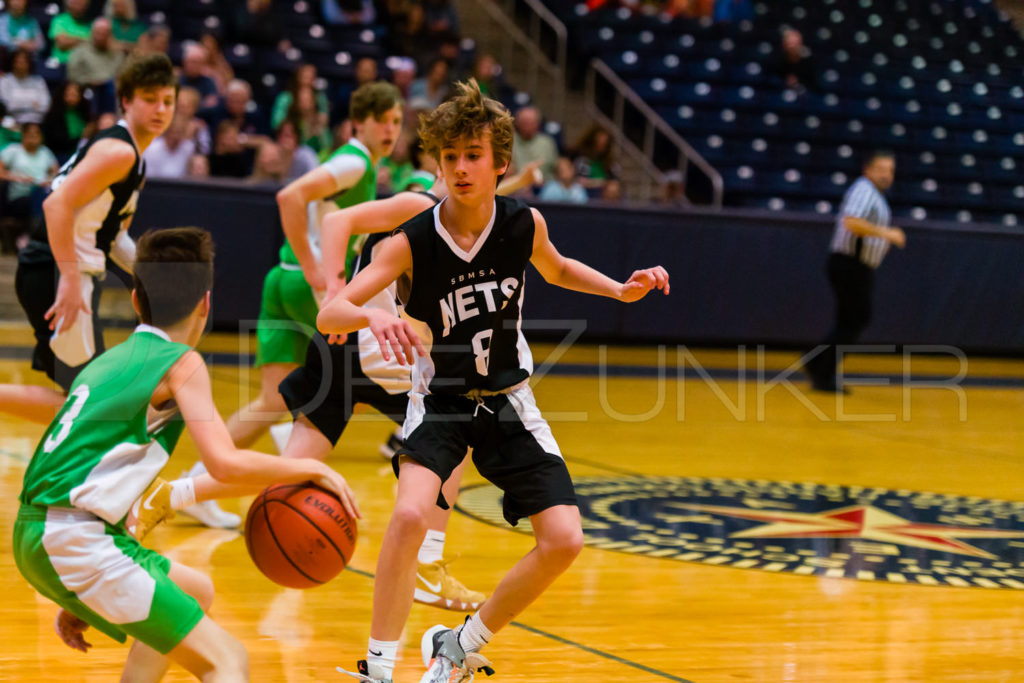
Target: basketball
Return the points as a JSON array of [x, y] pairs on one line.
[[299, 535]]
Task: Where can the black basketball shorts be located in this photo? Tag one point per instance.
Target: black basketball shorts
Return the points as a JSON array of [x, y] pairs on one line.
[[512, 446], [327, 388]]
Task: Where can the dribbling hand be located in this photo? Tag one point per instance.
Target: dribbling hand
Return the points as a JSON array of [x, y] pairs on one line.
[[70, 629], [336, 484]]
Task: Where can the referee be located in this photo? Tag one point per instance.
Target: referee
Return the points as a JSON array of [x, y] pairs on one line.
[[861, 240]]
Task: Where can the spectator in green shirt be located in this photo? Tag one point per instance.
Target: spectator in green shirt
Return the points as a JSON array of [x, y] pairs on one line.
[[124, 20], [69, 28], [18, 29]]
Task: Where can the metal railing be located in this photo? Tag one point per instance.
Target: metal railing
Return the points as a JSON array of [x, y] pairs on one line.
[[537, 62], [539, 18], [653, 125]]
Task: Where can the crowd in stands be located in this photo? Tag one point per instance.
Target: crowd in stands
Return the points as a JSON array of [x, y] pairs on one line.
[[57, 89]]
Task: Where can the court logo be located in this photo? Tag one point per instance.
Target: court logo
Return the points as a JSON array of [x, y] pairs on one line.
[[871, 534]]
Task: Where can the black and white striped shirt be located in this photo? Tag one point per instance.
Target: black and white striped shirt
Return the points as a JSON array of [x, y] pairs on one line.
[[862, 200]]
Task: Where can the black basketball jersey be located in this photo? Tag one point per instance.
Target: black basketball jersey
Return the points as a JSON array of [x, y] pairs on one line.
[[467, 306], [97, 224], [366, 253]]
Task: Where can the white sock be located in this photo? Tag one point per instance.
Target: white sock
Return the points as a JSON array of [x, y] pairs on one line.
[[432, 548], [473, 635], [183, 493], [280, 434], [380, 657]]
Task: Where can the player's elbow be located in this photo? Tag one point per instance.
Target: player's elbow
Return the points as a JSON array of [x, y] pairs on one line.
[[285, 196], [224, 468]]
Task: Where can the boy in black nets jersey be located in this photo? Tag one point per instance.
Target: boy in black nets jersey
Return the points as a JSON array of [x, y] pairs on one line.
[[460, 269]]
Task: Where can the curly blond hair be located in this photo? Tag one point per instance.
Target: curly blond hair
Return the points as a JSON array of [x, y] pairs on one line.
[[465, 116]]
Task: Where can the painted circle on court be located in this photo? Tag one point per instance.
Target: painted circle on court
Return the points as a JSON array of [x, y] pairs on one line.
[[870, 534]]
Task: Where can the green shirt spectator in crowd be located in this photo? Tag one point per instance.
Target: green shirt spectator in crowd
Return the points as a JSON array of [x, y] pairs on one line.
[[69, 28]]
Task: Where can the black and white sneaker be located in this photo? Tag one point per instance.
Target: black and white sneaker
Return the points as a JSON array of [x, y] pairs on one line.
[[445, 659]]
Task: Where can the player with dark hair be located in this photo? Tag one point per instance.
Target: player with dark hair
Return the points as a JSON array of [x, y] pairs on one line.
[[93, 478]]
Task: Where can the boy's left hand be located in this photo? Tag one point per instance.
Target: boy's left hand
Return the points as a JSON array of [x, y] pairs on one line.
[[643, 281], [70, 630]]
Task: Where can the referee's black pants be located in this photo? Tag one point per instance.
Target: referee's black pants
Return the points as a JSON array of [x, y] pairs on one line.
[[852, 285]]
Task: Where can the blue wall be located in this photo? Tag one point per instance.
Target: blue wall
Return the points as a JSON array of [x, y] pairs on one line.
[[737, 277]]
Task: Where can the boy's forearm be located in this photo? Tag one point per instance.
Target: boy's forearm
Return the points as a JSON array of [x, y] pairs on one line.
[[293, 222], [580, 277], [254, 469], [341, 316], [59, 220]]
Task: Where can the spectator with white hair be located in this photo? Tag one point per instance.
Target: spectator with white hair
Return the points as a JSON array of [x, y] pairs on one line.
[[193, 74], [532, 144], [239, 108], [95, 64]]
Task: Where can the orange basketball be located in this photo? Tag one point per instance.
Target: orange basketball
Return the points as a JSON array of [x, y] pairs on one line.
[[299, 535]]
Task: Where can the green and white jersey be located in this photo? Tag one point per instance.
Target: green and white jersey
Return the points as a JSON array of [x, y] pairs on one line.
[[99, 454], [351, 166]]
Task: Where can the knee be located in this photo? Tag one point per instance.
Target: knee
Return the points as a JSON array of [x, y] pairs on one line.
[[561, 548], [409, 520], [202, 591]]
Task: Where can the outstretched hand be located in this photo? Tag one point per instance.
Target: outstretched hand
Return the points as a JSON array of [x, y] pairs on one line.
[[70, 629], [643, 281]]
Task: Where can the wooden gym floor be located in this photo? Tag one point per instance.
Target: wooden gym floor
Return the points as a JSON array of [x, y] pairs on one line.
[[711, 556]]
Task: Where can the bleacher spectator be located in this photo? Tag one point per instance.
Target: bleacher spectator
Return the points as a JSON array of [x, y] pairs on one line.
[[366, 72], [673, 191], [299, 158], [304, 76], [19, 30], [794, 64], [231, 158], [23, 94], [565, 186], [198, 130], [532, 144], [409, 33], [95, 63], [193, 75], [733, 10], [428, 92], [487, 73], [26, 165], [403, 73], [69, 28], [124, 22], [239, 108], [168, 155], [346, 12], [217, 66], [198, 167], [612, 191], [270, 167], [341, 133], [157, 39], [69, 120], [594, 157], [312, 123]]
